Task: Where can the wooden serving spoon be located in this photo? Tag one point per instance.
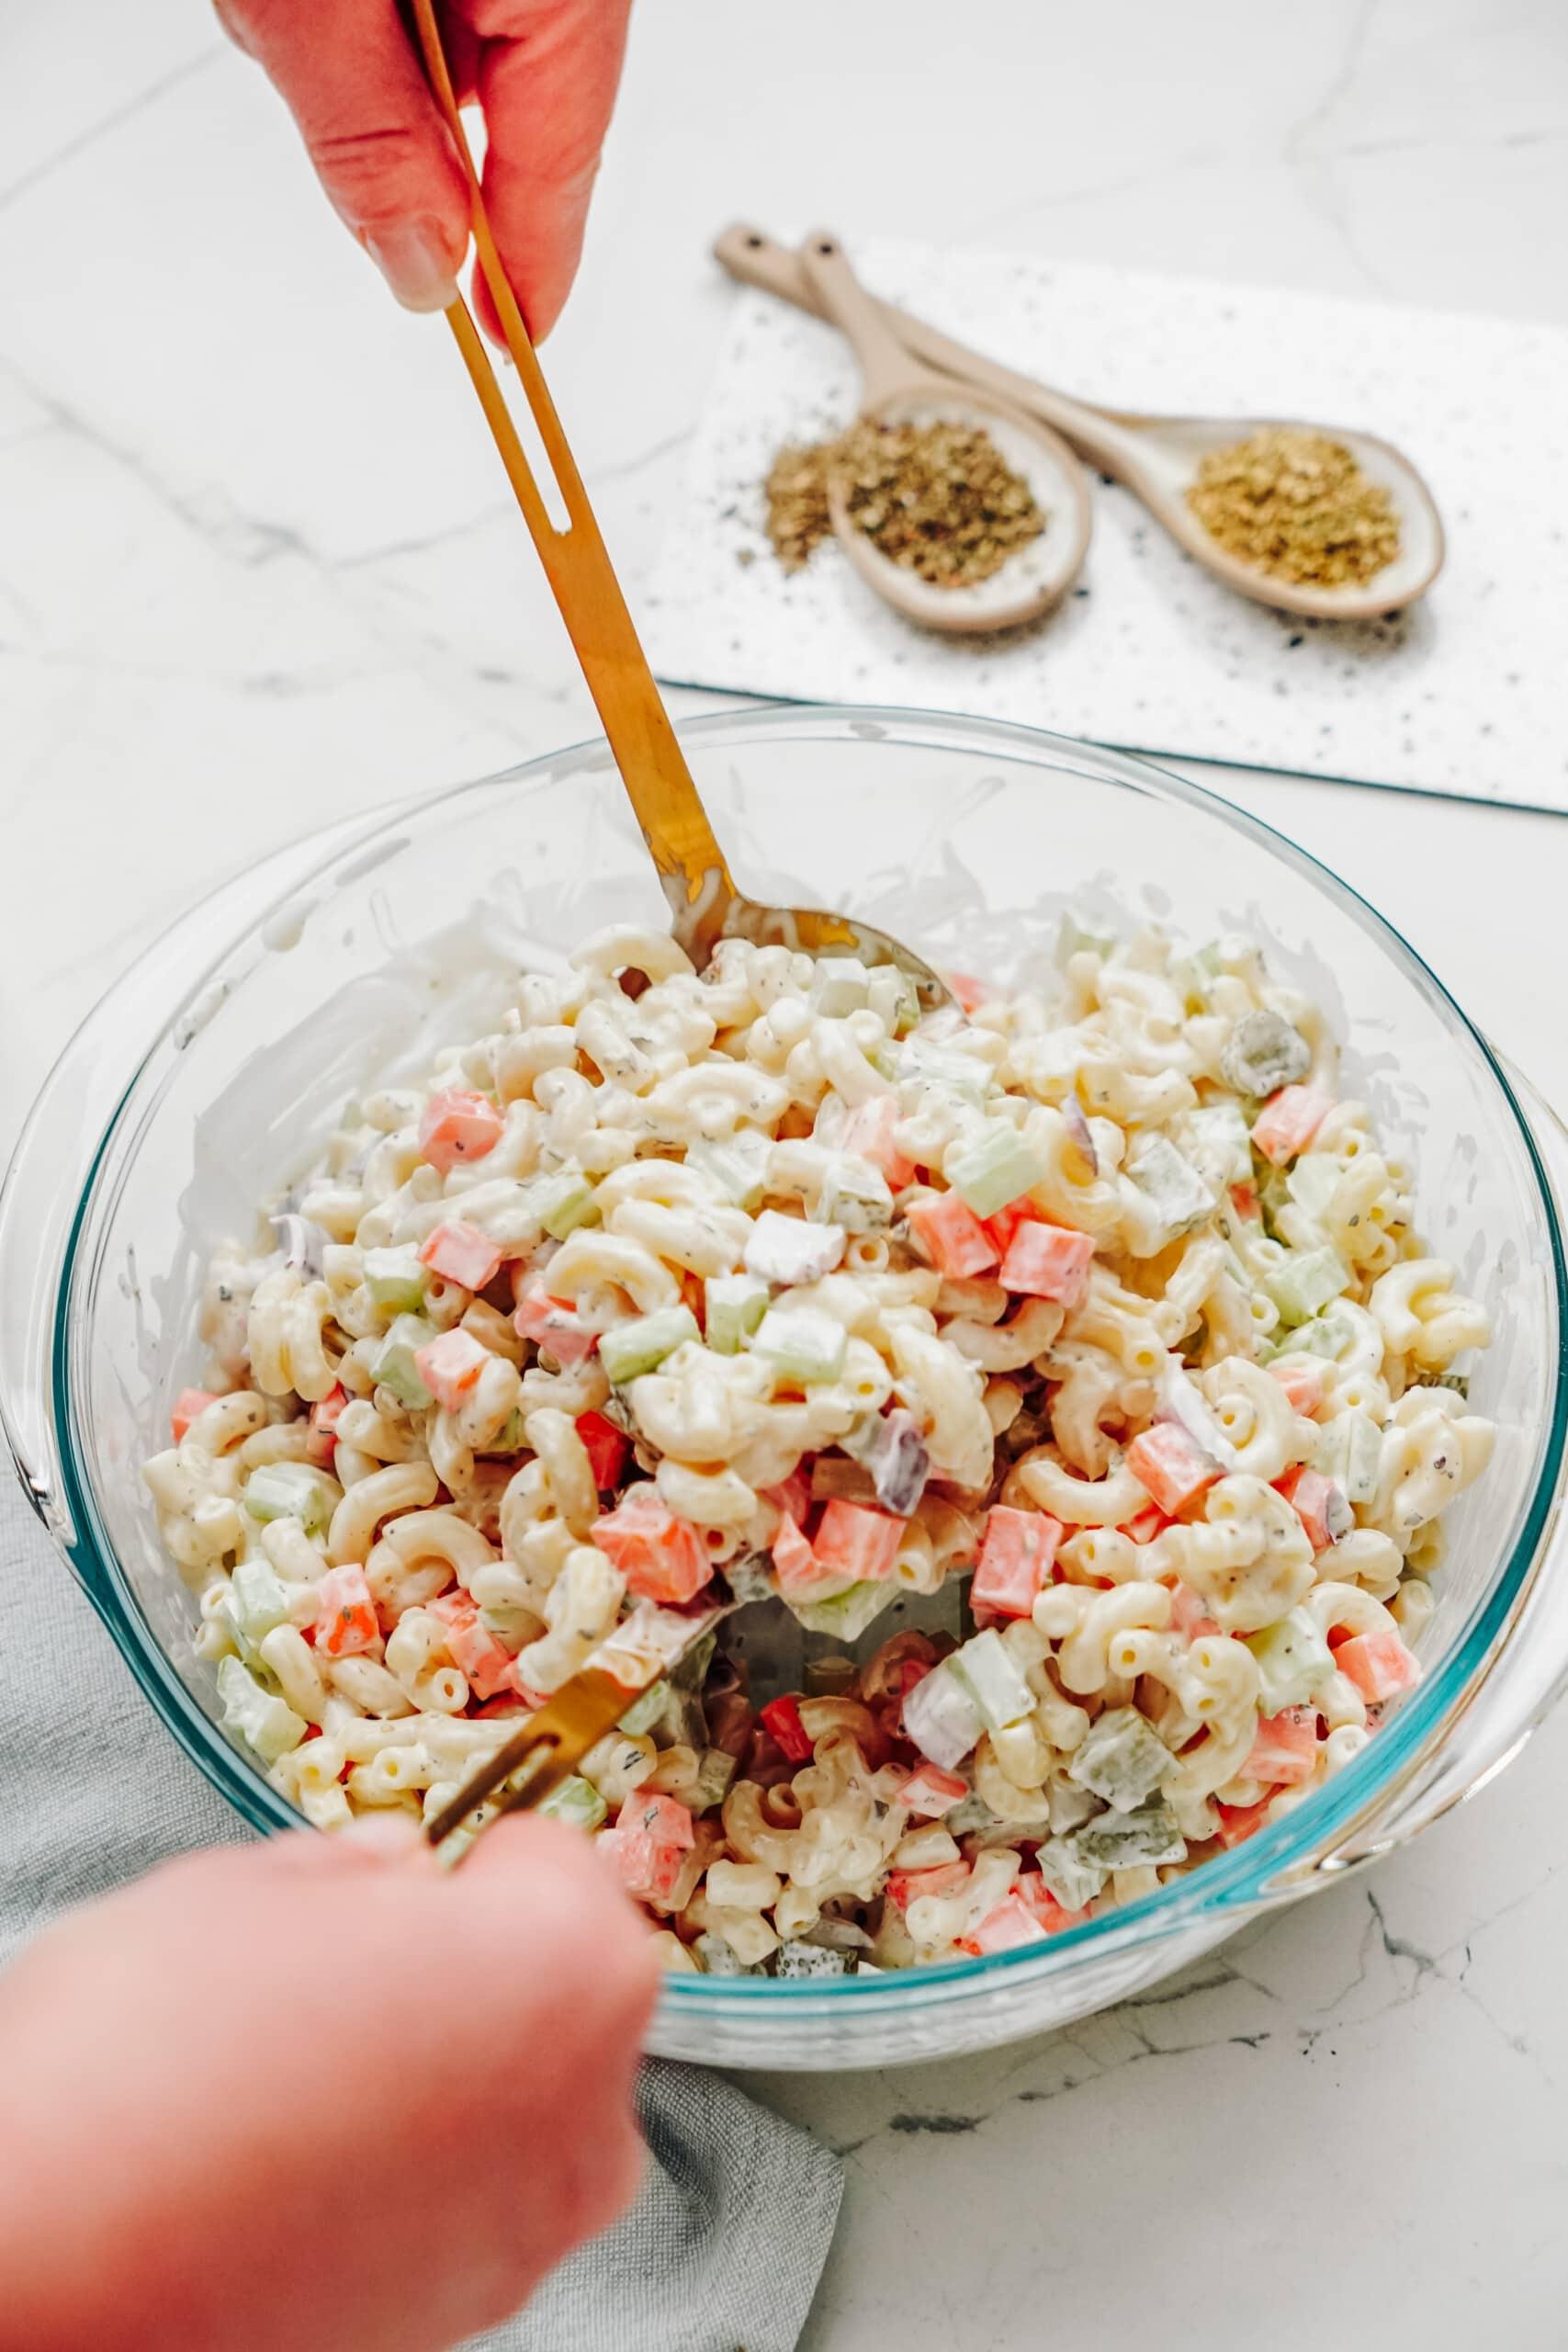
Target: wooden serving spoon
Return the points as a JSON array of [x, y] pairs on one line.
[[899, 390], [704, 904], [1156, 457]]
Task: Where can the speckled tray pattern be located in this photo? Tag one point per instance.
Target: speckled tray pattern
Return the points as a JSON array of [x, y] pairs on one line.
[[1463, 694]]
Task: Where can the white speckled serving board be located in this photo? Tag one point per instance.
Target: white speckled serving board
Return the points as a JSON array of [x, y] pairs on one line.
[[1463, 694]]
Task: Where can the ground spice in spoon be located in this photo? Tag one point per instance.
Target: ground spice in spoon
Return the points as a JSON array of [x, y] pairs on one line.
[[938, 499], [1298, 506]]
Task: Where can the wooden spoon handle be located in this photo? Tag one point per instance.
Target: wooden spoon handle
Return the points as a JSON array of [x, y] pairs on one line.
[[886, 366], [658, 781], [757, 260]]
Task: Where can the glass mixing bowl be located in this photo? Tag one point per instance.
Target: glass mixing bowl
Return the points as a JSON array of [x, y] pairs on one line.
[[210, 1075]]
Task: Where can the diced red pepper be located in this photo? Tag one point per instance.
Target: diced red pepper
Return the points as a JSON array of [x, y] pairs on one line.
[[661, 1557], [1302, 1384], [1241, 1821], [187, 1405], [795, 1562], [1284, 1749], [1048, 1261], [450, 1365], [1288, 1122], [905, 1887], [553, 1324], [1014, 1922], [1317, 1503], [1379, 1665], [1016, 1560], [606, 1447], [460, 1253], [781, 1719], [931, 1791], [345, 1614], [1188, 1615], [856, 1542], [953, 1236], [458, 1126], [868, 1130], [1031, 1890], [1170, 1466], [652, 1835], [1246, 1203], [475, 1649]]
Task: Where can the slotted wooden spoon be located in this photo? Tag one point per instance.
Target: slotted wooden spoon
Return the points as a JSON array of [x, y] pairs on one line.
[[704, 903]]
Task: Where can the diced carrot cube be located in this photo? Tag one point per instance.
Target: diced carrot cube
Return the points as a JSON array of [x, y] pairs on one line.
[[1284, 1749], [1016, 1559], [450, 1365], [868, 1130], [1241, 1821], [1147, 1525], [781, 1719], [1302, 1384], [1189, 1615], [1014, 1922], [792, 1494], [460, 1253], [661, 1557], [458, 1126], [325, 1414], [187, 1405], [647, 1841], [474, 1648], [345, 1614], [1006, 1222], [971, 993], [1246, 1203], [1048, 1261], [1031, 1890], [554, 1325], [606, 1447], [931, 1791], [953, 1236], [1288, 1122], [795, 1563], [905, 1887], [1317, 1503], [1170, 1466], [1379, 1665], [457, 1608], [856, 1542]]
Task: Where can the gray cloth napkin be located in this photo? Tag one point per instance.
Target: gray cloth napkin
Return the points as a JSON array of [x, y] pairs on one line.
[[724, 2247]]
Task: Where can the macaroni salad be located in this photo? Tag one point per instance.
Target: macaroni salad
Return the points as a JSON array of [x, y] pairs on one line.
[[683, 1291]]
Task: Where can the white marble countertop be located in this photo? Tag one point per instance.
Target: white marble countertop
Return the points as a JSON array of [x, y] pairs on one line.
[[257, 567]]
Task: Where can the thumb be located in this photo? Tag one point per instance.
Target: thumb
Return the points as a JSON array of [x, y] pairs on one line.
[[348, 74]]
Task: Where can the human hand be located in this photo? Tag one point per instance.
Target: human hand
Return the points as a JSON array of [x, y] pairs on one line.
[[544, 74], [317, 2092]]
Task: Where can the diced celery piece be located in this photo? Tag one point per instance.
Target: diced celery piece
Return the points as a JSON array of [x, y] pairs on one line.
[[810, 1960], [787, 1249], [394, 1367], [395, 1280], [945, 1067], [1222, 1143], [994, 1169], [1121, 1759], [1073, 938], [801, 1343], [1293, 1658], [646, 1709], [716, 1770], [577, 1801], [1312, 1181], [1349, 1449], [269, 1725], [846, 1614], [1305, 1284], [1172, 1184], [941, 1717], [737, 1166], [562, 1201], [1072, 1877], [1121, 1841], [855, 1196], [736, 1303], [288, 1490], [839, 984], [719, 1959], [258, 1598], [986, 1670], [632, 1348]]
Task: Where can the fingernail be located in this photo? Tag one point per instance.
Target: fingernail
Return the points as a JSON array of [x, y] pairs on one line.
[[411, 257]]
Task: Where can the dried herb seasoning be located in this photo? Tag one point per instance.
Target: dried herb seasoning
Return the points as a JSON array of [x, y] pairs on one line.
[[938, 499], [1296, 506]]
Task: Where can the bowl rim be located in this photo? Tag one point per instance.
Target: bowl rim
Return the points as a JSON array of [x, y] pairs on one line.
[[1246, 1877]]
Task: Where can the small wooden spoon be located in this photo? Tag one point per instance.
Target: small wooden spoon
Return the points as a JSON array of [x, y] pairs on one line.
[[704, 904], [1156, 457], [898, 390]]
